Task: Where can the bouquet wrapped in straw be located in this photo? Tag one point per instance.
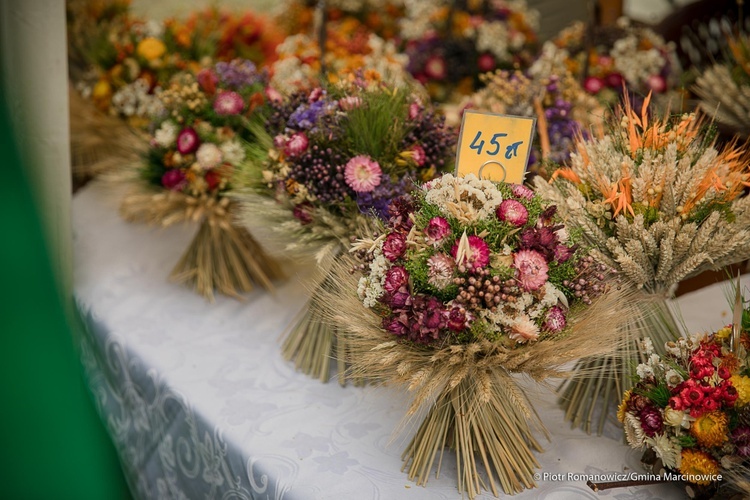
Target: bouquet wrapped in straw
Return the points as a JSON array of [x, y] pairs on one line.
[[470, 282], [562, 109], [691, 408], [186, 174], [724, 89], [333, 161], [449, 43], [657, 203]]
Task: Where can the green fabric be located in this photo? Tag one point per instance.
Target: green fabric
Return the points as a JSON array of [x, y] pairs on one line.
[[53, 444]]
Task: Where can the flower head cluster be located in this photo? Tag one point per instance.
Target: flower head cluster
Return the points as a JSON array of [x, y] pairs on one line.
[[198, 141], [621, 54], [450, 46], [352, 150], [655, 199], [462, 272], [691, 406]]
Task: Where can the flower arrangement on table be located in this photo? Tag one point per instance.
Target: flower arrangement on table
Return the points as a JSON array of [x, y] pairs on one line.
[[469, 282], [619, 54], [374, 16], [334, 160], [562, 109], [724, 89], [186, 175], [658, 203], [449, 44], [348, 50], [691, 406]]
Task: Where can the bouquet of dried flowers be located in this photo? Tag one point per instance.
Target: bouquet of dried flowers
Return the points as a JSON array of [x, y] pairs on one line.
[[187, 172], [333, 161], [469, 282], [449, 44], [374, 16], [724, 89], [610, 56], [658, 203], [691, 406], [562, 109]]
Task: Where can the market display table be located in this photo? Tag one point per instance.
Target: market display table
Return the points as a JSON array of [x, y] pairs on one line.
[[201, 405]]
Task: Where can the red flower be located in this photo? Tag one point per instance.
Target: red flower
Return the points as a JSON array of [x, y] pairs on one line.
[[478, 254], [395, 278], [394, 246], [207, 80], [187, 141], [593, 84], [173, 179], [213, 178], [457, 319]]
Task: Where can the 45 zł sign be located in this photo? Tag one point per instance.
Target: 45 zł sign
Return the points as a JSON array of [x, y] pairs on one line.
[[494, 147]]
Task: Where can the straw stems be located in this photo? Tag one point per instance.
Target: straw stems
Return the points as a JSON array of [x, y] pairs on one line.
[[598, 382], [492, 429], [225, 258]]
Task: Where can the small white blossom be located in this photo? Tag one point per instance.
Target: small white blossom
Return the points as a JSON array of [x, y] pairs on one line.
[[166, 134]]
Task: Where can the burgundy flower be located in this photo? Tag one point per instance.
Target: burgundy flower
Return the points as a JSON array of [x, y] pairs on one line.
[[399, 211], [187, 141], [532, 269], [399, 299], [521, 191], [316, 95], [207, 80], [651, 420], [486, 62], [657, 83], [228, 102], [457, 319], [724, 372], [435, 67], [555, 320], [563, 253], [614, 81], [303, 213], [394, 246], [395, 326], [477, 255], [541, 239], [296, 145], [546, 217], [395, 278], [513, 212], [173, 179], [437, 229]]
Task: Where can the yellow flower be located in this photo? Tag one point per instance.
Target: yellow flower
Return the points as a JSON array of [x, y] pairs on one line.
[[724, 333], [101, 94], [710, 429], [151, 48], [623, 408], [698, 463], [742, 384]]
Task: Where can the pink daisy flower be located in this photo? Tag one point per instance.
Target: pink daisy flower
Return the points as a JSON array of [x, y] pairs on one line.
[[593, 84], [296, 145], [477, 255], [441, 270], [523, 330], [513, 212], [532, 269], [273, 95], [362, 174], [187, 141], [228, 103], [437, 229], [521, 191]]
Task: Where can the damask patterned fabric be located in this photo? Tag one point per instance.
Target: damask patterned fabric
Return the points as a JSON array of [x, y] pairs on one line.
[[201, 405]]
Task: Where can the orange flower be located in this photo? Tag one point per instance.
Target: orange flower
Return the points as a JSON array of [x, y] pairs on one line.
[[710, 429], [698, 463]]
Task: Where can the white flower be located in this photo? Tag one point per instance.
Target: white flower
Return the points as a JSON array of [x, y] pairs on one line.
[[647, 346], [633, 431], [667, 449], [676, 418], [673, 378], [466, 198], [644, 371], [208, 156], [166, 134], [233, 152]]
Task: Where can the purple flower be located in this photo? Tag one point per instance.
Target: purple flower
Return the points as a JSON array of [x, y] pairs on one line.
[[521, 191], [437, 229], [395, 326], [173, 179], [238, 73], [399, 299], [306, 116], [228, 103], [394, 246], [541, 239], [395, 278], [187, 141], [555, 321], [513, 212], [651, 420], [563, 252], [296, 145]]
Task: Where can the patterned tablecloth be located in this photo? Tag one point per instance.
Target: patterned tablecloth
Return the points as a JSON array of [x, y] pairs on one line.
[[201, 405]]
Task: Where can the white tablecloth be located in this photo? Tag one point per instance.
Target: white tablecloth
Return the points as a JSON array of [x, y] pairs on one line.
[[201, 405]]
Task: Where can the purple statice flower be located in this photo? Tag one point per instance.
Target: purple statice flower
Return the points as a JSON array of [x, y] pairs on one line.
[[379, 199], [239, 73], [306, 116]]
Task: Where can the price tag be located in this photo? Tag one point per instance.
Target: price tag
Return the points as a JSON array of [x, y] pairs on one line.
[[494, 147]]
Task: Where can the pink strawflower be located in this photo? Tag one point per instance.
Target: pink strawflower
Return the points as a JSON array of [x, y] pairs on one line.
[[531, 269], [174, 179], [513, 212], [273, 95], [441, 270], [478, 255], [437, 229], [657, 83], [187, 141], [296, 144], [651, 420], [316, 95], [350, 102], [523, 329], [435, 68], [414, 109], [394, 246], [228, 103], [362, 174], [555, 321], [395, 278], [521, 191], [486, 62], [418, 155], [593, 84]]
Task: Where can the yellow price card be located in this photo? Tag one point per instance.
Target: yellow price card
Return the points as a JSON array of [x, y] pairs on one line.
[[494, 147]]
